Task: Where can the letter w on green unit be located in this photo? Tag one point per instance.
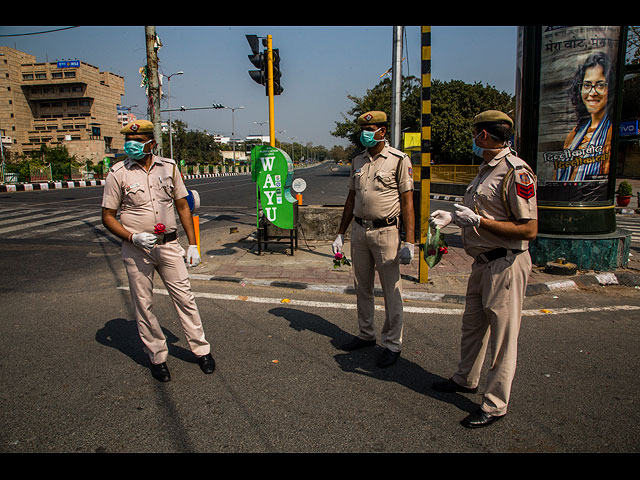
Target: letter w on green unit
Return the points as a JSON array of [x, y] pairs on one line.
[[272, 170]]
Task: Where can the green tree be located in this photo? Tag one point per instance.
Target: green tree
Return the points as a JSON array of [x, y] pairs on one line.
[[379, 98], [191, 146], [453, 106], [58, 157]]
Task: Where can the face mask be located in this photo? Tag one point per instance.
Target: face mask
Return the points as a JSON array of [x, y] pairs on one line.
[[367, 138], [479, 150], [135, 149]]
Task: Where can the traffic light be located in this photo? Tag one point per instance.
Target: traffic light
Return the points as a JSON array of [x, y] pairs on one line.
[[277, 89], [217, 105], [259, 60]]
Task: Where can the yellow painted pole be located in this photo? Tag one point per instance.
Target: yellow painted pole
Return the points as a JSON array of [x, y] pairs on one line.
[[272, 127], [196, 228], [425, 155]]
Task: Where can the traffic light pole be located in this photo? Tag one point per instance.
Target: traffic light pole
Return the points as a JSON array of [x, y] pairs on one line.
[[272, 127], [425, 147]]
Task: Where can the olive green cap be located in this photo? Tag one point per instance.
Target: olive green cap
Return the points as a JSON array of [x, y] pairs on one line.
[[372, 118], [492, 116]]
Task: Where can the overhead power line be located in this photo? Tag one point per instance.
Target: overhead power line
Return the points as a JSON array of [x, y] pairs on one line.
[[38, 33]]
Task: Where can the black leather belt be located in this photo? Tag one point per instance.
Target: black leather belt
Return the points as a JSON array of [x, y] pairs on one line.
[[492, 255], [383, 222], [168, 237]]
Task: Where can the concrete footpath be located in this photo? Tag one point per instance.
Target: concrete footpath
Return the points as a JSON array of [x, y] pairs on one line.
[[233, 257]]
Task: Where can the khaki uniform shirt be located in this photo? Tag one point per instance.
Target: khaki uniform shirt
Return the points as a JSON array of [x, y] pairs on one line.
[[379, 181], [491, 196], [145, 198]]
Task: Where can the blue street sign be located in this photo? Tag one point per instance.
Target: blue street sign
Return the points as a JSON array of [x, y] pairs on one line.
[[68, 63]]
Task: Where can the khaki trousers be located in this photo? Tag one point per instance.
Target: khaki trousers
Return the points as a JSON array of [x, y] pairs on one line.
[[168, 260], [495, 293], [377, 249]]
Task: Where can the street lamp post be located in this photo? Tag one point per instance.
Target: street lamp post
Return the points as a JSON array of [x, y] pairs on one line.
[[233, 130], [170, 129], [261, 123], [292, 149]]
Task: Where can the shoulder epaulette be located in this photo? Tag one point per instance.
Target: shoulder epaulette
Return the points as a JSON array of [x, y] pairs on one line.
[[397, 153], [117, 166], [513, 166]]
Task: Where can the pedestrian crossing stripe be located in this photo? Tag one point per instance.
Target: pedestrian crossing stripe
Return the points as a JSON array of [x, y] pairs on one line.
[[631, 225], [23, 223]]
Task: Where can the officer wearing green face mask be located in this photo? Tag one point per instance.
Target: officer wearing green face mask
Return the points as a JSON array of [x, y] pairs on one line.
[[148, 190], [380, 199]]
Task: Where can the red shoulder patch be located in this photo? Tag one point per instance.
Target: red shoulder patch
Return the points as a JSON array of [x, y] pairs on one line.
[[525, 191]]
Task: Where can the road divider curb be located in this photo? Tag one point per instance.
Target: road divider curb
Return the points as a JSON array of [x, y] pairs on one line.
[[575, 283], [27, 187]]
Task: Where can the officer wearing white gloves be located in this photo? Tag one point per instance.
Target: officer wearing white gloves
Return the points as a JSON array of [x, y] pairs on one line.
[[145, 188], [463, 217], [380, 193], [497, 221]]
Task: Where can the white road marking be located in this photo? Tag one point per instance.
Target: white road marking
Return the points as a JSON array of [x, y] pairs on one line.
[[408, 309]]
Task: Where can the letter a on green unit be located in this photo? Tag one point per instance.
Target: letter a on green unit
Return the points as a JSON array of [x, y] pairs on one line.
[[272, 171]]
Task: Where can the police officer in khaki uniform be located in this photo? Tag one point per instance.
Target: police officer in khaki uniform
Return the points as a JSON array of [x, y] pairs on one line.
[[380, 197], [144, 187], [497, 220]]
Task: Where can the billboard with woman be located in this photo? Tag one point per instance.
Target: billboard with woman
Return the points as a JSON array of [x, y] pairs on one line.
[[578, 71]]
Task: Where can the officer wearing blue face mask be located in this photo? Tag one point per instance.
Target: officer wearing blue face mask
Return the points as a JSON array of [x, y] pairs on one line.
[[497, 220], [380, 199]]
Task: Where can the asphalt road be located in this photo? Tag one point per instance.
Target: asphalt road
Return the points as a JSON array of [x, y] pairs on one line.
[[74, 377]]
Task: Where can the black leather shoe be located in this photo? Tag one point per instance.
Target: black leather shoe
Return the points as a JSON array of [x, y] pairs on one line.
[[207, 364], [160, 372], [388, 358], [479, 419], [449, 386], [357, 343]]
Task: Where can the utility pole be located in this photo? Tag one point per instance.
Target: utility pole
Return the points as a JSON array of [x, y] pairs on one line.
[[153, 109], [425, 147], [396, 88]]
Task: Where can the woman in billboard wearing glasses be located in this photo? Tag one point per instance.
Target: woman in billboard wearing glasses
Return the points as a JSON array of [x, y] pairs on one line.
[[588, 145]]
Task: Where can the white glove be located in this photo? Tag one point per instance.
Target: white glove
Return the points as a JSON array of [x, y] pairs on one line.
[[406, 253], [465, 217], [144, 240], [440, 219], [193, 257], [338, 243]]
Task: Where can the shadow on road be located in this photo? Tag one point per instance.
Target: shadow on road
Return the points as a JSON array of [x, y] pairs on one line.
[[363, 362], [122, 334]]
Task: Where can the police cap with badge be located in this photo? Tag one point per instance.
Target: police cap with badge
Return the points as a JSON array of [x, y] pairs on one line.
[[372, 118], [138, 126]]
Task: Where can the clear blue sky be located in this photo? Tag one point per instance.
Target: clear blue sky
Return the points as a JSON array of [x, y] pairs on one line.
[[320, 66]]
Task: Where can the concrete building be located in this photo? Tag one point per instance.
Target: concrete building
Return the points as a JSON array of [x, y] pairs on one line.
[[69, 103]]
